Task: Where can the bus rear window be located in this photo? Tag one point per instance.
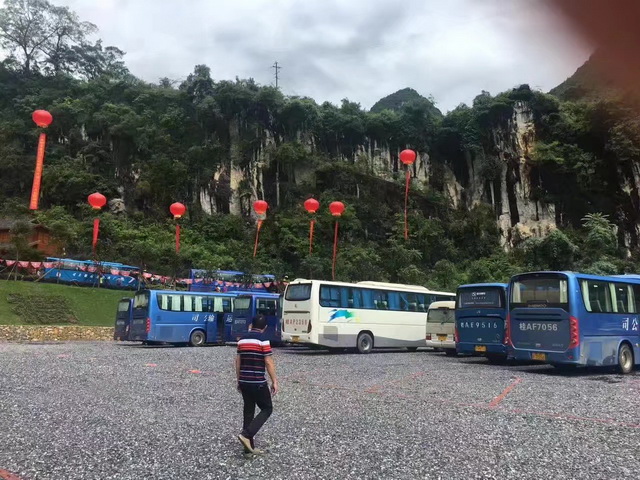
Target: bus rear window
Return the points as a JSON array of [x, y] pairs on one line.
[[539, 291], [441, 315], [480, 298], [298, 292], [242, 304], [123, 306], [141, 300]]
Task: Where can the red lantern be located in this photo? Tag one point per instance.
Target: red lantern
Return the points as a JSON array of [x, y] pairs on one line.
[[177, 210], [311, 205], [97, 200], [407, 157], [42, 118], [260, 207], [336, 208]]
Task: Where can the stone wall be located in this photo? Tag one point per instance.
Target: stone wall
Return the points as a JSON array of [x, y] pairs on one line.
[[28, 333]]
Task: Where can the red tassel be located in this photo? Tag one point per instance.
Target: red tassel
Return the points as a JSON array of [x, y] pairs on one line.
[[96, 229], [311, 236], [177, 238], [406, 203], [335, 252], [255, 247]]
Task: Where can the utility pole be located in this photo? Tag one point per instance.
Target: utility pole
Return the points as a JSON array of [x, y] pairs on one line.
[[277, 68]]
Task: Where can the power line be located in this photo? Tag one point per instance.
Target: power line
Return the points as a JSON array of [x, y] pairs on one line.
[[277, 69]]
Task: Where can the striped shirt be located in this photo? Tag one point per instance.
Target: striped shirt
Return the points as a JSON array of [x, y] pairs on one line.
[[253, 351]]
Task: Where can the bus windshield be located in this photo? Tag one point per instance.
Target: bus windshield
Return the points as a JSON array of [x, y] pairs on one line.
[[441, 315], [141, 300], [490, 297], [123, 306], [540, 291], [298, 292]]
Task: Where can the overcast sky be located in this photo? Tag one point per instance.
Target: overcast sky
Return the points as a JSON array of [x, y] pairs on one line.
[[356, 49]]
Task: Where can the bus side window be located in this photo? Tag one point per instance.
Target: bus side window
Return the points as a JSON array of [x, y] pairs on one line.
[[266, 307], [394, 301], [367, 299], [623, 298], [599, 296], [381, 300], [422, 306], [329, 296], [187, 303], [227, 305]]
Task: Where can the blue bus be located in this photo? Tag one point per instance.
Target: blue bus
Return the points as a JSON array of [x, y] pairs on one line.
[[567, 318], [124, 316], [248, 305], [169, 316], [481, 311], [91, 274], [231, 281]]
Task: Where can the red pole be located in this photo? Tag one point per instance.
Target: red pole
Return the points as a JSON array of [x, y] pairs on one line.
[[335, 252], [177, 238], [311, 236], [37, 175], [406, 203], [96, 229], [255, 247]]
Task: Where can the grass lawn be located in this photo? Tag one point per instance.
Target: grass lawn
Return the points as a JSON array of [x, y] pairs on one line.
[[92, 306]]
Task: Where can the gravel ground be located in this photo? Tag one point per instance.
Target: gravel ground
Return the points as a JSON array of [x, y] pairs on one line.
[[122, 411]]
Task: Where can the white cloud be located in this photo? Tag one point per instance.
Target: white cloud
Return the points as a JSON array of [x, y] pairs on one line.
[[332, 49]]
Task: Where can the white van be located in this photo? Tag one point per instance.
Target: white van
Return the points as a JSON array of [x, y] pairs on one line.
[[441, 325]]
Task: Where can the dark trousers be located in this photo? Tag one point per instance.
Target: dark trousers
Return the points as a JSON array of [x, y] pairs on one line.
[[255, 395]]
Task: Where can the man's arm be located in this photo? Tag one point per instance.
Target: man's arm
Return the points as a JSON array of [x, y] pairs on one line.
[[238, 370], [271, 370]]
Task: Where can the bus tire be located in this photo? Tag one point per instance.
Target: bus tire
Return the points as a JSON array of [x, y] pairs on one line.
[[197, 338], [450, 352], [412, 349], [365, 342], [625, 359]]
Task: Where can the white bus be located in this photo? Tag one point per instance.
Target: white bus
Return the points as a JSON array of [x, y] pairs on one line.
[[363, 315]]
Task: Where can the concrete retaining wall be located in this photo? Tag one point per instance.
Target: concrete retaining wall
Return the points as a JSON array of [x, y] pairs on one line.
[[25, 333]]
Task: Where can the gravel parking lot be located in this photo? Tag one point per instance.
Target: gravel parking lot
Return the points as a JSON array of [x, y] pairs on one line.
[[123, 411]]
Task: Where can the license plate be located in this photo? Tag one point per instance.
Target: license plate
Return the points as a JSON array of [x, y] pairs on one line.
[[295, 339], [442, 338], [480, 348], [539, 356]]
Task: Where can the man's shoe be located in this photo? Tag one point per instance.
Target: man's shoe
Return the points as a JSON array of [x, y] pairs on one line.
[[257, 451], [246, 443]]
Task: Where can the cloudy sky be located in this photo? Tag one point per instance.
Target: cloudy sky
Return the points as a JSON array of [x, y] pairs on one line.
[[356, 49]]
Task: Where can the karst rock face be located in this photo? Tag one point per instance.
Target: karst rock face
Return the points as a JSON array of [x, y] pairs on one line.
[[245, 177]]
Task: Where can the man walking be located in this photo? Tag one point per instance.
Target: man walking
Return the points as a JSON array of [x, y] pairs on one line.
[[253, 358]]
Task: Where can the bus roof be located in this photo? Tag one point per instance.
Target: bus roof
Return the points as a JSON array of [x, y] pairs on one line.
[[381, 285], [484, 285], [443, 304], [629, 276], [187, 292]]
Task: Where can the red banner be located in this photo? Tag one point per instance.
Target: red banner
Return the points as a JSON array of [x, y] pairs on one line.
[[23, 264], [37, 175], [11, 263], [49, 264], [36, 265]]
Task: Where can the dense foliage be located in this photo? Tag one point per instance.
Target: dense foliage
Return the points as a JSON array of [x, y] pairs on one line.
[[148, 145]]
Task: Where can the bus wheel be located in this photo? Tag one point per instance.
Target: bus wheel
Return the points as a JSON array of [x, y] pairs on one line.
[[450, 352], [197, 338], [365, 343], [625, 359], [412, 349]]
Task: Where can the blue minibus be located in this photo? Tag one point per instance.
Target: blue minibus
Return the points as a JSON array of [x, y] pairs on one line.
[[124, 315], [169, 316], [481, 311], [568, 318], [248, 305]]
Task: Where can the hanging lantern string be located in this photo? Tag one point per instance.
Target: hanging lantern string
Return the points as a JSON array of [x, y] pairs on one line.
[[177, 237], [313, 222], [255, 246], [407, 157], [335, 252]]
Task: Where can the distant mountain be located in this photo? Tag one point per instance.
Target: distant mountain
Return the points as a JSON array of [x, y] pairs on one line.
[[587, 83], [397, 100]]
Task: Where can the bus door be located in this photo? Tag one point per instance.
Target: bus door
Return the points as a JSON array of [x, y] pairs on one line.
[[123, 319], [243, 308], [220, 315], [269, 307], [140, 320]]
